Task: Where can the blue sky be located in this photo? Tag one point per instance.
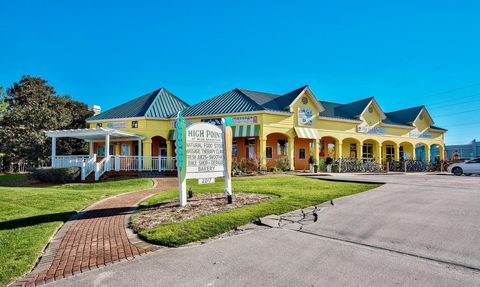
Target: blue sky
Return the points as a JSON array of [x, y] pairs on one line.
[[405, 53]]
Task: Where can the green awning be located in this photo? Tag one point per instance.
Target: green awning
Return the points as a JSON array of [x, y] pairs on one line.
[[172, 135], [246, 131]]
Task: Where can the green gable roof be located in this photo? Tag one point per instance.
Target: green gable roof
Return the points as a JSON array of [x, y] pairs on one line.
[[241, 101], [158, 104], [406, 116]]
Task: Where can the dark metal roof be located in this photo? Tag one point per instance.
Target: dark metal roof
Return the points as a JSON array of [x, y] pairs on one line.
[[241, 101], [406, 116], [158, 104]]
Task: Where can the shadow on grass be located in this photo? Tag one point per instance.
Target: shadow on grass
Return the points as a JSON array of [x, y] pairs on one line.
[[64, 216], [34, 220]]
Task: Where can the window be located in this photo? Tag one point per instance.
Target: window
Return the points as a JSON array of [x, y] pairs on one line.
[[101, 150], [234, 149], [301, 153], [390, 152], [250, 146], [269, 152], [353, 150], [477, 160], [125, 149], [282, 147], [401, 153], [368, 151]]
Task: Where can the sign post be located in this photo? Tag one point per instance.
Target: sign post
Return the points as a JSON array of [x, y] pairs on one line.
[[204, 152], [227, 132], [181, 160]]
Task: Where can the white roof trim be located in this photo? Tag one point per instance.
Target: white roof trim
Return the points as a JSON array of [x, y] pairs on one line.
[[242, 113], [397, 126], [374, 101], [130, 119], [339, 119], [317, 103], [428, 115], [92, 134]]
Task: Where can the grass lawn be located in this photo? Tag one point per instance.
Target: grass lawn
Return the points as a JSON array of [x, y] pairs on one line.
[[289, 193], [29, 216], [12, 176]]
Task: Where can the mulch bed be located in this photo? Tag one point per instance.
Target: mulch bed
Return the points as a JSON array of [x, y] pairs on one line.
[[201, 204]]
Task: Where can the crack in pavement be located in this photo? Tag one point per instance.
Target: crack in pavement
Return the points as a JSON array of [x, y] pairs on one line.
[[296, 220]]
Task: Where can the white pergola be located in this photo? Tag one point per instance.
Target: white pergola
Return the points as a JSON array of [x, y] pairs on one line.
[[93, 135]]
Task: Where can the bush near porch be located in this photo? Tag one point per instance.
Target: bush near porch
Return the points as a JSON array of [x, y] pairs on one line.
[[288, 193], [29, 216]]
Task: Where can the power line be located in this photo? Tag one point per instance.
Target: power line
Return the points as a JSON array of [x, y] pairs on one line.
[[456, 113], [456, 104], [450, 99], [463, 124], [446, 92]]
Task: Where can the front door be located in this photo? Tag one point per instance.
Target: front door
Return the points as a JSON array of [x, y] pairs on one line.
[[162, 151]]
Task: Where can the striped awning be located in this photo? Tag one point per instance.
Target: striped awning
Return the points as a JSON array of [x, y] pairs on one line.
[[307, 133], [246, 130]]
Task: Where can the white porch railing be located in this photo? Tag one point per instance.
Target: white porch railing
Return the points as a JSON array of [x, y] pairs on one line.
[[116, 163], [144, 163], [60, 161], [89, 166], [103, 166]]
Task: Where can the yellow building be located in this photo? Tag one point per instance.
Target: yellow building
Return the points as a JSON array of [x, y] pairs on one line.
[[293, 126]]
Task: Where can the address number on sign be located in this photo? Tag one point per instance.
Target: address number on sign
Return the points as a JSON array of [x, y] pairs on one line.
[[206, 180]]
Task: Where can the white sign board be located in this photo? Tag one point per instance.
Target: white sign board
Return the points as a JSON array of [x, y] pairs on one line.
[[244, 120], [425, 135], [305, 116], [371, 130], [206, 180], [117, 125], [205, 151]]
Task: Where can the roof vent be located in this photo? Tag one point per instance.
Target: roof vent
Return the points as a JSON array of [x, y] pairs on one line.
[[96, 109]]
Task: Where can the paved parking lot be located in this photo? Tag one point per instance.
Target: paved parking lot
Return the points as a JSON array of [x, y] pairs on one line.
[[416, 230]]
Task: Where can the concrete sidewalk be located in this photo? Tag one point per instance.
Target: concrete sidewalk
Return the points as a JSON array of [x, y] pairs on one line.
[[416, 230]]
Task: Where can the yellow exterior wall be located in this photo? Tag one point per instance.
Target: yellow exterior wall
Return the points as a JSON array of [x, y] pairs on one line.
[[343, 132]]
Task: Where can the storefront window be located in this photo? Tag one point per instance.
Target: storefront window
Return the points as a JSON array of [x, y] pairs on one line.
[[250, 143], [368, 151], [125, 149], [401, 154], [301, 153], [234, 149], [390, 152], [269, 152], [282, 148], [353, 150], [101, 150]]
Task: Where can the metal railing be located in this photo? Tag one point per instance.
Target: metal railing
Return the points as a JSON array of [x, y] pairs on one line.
[[355, 165]]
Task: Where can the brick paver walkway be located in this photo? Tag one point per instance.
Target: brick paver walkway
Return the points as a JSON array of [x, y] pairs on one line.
[[95, 237]]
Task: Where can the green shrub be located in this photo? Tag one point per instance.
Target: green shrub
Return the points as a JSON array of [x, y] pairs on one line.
[[58, 175], [283, 164]]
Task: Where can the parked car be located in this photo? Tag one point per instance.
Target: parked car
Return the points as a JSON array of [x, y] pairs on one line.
[[468, 167]]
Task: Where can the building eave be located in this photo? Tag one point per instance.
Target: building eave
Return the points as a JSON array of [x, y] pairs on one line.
[[339, 120]]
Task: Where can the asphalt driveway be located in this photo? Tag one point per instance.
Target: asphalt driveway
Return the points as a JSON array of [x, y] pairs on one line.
[[417, 230]]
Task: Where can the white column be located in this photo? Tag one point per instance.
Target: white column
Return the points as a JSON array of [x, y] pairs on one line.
[[107, 152], [140, 161], [90, 149], [107, 145], [54, 151]]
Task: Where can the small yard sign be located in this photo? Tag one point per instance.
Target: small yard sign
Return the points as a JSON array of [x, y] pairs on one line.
[[204, 153]]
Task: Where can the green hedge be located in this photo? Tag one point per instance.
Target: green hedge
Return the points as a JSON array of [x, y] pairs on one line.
[[58, 175]]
